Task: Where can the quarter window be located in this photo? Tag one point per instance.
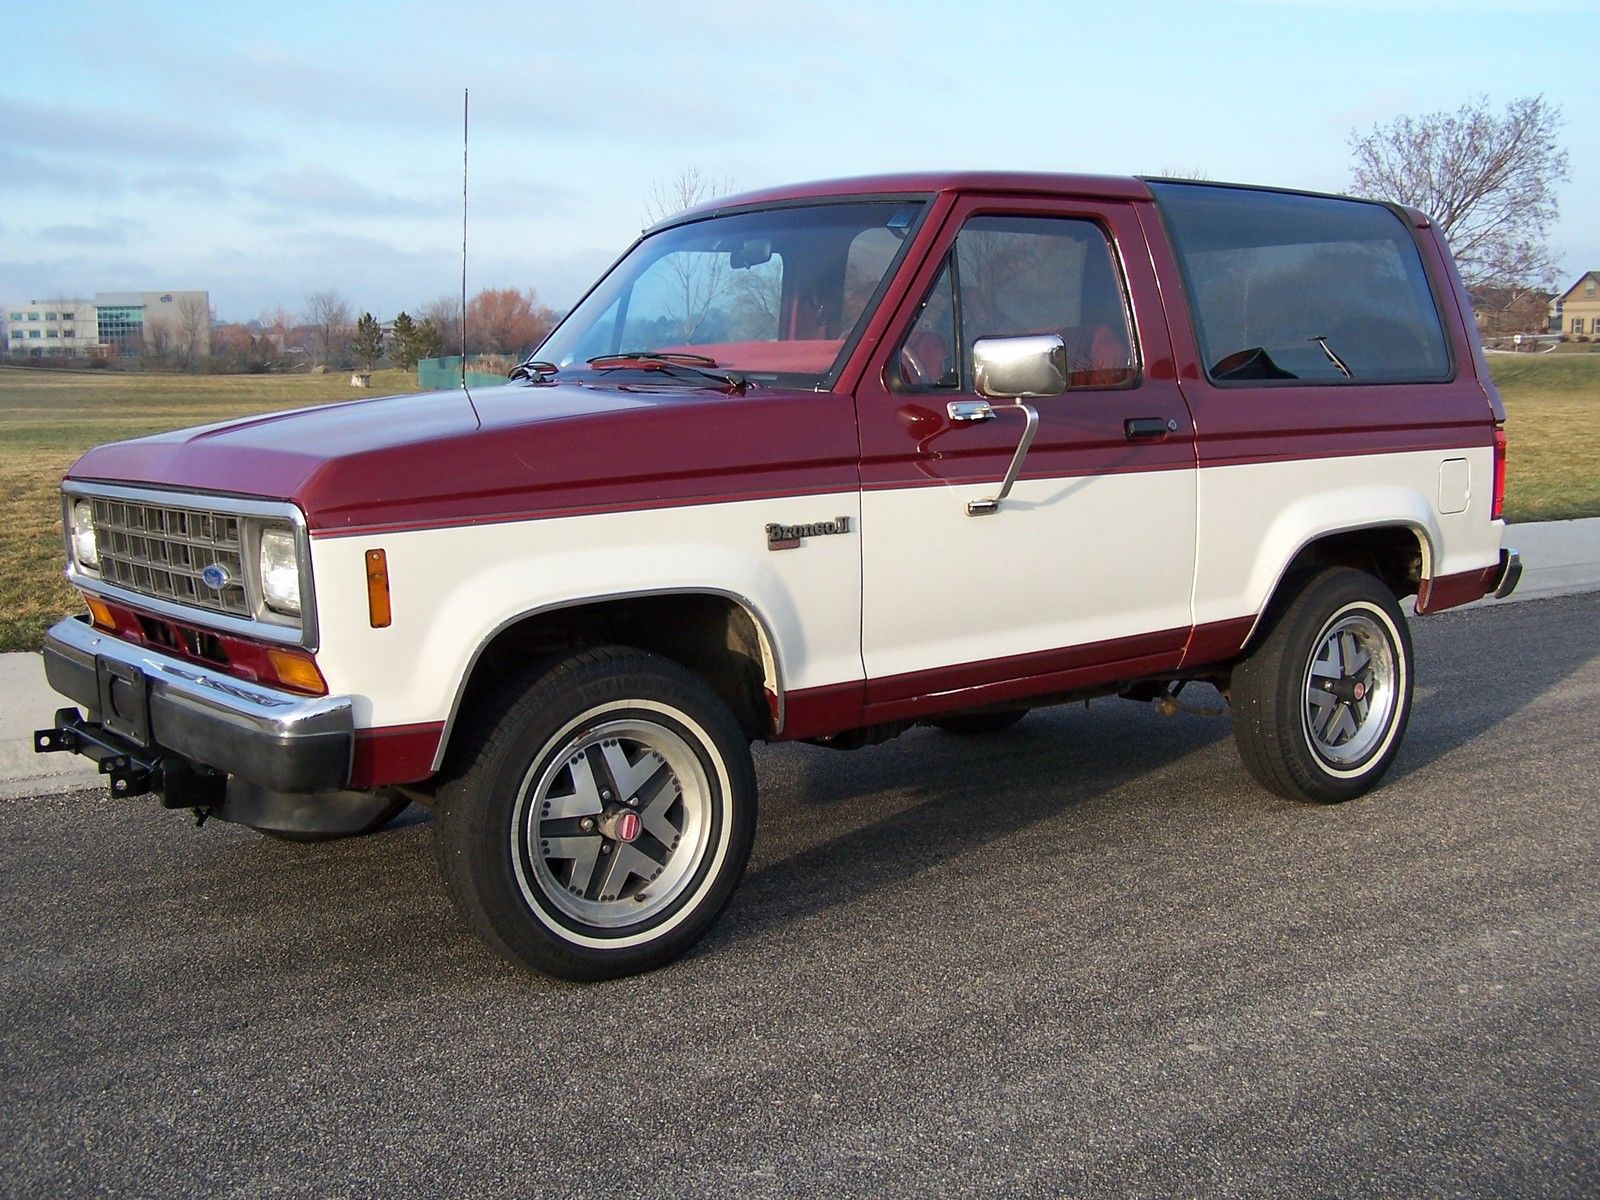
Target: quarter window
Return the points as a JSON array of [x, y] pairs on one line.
[[1287, 288]]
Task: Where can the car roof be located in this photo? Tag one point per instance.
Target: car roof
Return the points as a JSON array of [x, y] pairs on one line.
[[925, 183]]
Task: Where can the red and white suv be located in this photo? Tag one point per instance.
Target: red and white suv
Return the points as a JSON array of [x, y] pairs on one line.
[[818, 463]]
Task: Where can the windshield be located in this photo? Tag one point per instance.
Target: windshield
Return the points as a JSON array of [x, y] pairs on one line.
[[776, 295]]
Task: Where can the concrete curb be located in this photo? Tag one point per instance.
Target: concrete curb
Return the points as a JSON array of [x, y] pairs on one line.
[[1559, 558]]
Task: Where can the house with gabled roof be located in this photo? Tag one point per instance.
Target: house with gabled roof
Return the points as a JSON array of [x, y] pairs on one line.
[[1580, 307]]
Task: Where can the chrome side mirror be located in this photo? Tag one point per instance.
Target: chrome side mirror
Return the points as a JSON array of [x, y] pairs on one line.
[[1011, 368]]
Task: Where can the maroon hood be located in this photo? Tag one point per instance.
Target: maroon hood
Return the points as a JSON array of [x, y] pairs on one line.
[[403, 461]]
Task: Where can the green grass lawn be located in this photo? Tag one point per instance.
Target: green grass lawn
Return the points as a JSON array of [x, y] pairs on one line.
[[48, 418], [1552, 432]]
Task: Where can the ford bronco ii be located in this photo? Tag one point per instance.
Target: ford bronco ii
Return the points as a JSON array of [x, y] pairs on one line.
[[823, 462]]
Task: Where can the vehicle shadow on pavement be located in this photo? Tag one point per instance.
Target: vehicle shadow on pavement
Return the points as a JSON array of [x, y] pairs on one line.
[[1459, 700], [838, 825]]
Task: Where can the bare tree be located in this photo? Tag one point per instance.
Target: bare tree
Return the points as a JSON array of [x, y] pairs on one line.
[[328, 314], [687, 188], [444, 314], [191, 330], [701, 279], [507, 321], [158, 339], [1488, 179], [277, 324]]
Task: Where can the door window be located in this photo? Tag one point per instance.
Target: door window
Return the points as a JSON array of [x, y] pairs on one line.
[[1009, 276]]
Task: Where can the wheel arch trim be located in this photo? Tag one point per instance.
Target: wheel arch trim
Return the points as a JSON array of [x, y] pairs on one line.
[[1418, 529], [771, 656]]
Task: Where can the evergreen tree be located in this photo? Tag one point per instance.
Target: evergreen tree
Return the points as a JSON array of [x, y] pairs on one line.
[[403, 342], [428, 341], [367, 345]]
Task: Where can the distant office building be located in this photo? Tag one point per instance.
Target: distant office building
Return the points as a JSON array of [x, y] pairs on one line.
[[43, 327], [113, 323]]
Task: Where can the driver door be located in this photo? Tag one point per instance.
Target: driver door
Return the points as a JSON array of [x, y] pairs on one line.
[[1084, 572]]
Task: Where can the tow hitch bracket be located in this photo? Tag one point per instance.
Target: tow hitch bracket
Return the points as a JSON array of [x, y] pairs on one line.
[[130, 770]]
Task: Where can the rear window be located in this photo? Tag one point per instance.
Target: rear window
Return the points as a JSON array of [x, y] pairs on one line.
[[1303, 289]]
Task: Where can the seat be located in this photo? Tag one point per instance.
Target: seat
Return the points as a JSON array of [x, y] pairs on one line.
[[1097, 357]]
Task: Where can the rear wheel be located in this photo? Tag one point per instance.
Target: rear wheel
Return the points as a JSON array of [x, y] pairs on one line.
[[603, 822], [1320, 706]]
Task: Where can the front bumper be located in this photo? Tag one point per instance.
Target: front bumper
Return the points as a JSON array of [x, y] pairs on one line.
[[149, 707]]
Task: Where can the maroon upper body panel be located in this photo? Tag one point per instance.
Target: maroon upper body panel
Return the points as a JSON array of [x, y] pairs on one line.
[[541, 450], [923, 183], [587, 444]]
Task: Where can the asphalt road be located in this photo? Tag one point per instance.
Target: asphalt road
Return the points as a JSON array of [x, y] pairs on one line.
[[1082, 957]]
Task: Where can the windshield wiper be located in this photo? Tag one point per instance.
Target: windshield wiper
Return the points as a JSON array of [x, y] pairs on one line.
[[671, 363], [535, 369], [1322, 340]]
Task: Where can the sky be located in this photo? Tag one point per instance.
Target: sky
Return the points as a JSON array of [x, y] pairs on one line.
[[266, 152]]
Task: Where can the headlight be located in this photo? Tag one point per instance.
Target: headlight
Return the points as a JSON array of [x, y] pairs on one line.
[[84, 549], [280, 571]]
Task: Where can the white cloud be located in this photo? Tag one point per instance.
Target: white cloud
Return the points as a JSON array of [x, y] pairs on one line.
[[114, 132], [317, 189], [102, 233]]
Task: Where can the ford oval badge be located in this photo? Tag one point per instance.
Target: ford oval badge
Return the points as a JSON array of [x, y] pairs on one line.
[[216, 576]]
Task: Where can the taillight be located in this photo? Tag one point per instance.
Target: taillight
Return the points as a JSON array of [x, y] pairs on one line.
[[1499, 503]]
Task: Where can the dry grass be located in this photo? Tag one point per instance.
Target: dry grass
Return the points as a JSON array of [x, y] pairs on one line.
[[48, 418]]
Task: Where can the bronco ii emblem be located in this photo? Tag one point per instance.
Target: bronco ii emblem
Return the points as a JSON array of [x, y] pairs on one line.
[[787, 537]]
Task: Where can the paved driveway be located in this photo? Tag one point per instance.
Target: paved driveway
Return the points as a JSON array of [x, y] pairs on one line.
[[1081, 957]]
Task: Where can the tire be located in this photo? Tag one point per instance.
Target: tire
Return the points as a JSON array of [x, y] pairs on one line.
[[1321, 705], [972, 724], [543, 851]]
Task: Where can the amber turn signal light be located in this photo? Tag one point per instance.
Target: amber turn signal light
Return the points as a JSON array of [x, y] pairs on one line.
[[101, 614], [297, 670], [378, 589]]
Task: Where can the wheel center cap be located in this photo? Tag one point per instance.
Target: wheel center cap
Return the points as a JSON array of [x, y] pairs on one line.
[[1359, 691], [622, 824]]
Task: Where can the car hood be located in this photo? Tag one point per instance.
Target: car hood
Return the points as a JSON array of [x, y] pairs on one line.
[[517, 450]]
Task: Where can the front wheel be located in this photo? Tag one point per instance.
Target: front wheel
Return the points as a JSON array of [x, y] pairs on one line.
[[1321, 704], [604, 820]]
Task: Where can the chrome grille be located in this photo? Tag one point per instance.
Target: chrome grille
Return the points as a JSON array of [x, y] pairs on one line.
[[161, 549]]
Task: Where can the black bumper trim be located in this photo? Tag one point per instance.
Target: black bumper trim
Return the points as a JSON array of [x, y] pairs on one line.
[[1510, 574], [277, 739]]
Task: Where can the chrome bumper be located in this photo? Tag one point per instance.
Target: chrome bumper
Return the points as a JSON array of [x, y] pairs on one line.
[[1510, 574], [153, 706]]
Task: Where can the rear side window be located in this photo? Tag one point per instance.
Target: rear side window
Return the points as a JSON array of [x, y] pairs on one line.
[[1303, 289]]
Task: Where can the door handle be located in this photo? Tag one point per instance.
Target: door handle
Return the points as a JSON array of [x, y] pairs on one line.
[[964, 412], [1138, 429]]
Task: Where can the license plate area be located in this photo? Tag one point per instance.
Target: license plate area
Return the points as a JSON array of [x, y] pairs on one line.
[[124, 700]]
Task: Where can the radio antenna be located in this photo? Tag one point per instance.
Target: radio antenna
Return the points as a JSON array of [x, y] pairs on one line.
[[465, 112]]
